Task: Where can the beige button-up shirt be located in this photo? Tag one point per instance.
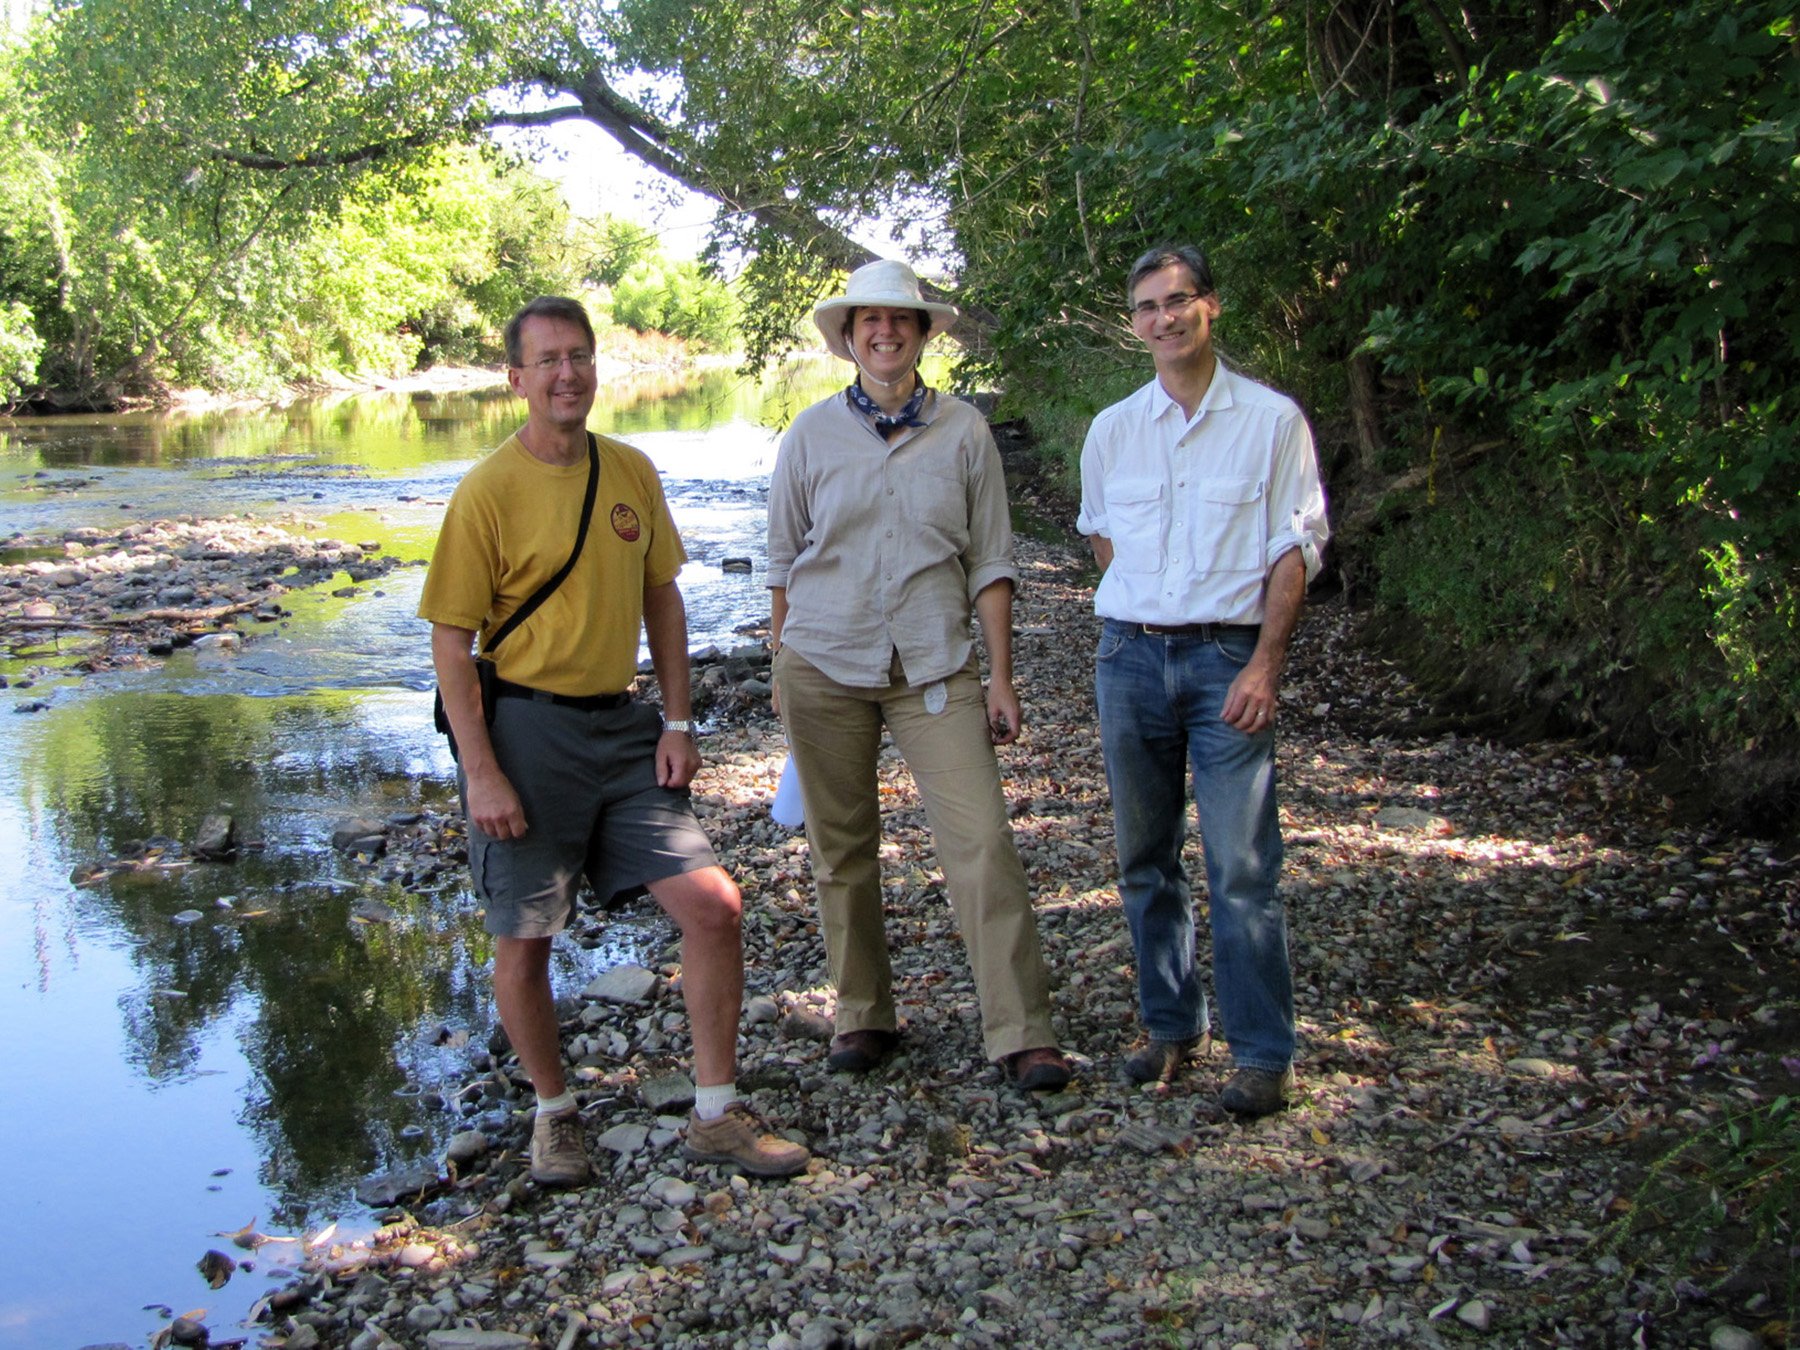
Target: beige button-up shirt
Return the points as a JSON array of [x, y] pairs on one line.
[[883, 546]]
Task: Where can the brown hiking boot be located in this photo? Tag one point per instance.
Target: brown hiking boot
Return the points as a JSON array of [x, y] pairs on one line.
[[1257, 1092], [1156, 1061], [741, 1136], [558, 1154]]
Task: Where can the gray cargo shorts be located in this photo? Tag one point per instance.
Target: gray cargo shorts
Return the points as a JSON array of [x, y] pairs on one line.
[[587, 783]]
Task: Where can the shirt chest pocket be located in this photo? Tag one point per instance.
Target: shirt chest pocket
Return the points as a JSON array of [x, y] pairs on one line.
[[937, 502], [1134, 520], [1226, 527]]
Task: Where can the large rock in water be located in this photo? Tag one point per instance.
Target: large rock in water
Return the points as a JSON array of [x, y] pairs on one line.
[[217, 840], [359, 834]]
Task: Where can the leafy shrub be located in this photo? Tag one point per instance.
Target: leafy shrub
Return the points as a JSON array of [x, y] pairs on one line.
[[20, 349]]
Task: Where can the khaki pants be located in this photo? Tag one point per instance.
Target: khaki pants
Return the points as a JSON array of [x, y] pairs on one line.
[[834, 734]]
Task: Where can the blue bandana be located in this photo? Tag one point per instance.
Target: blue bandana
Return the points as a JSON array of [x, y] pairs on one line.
[[886, 422]]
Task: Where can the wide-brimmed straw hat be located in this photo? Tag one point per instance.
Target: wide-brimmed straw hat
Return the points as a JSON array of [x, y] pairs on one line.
[[882, 282]]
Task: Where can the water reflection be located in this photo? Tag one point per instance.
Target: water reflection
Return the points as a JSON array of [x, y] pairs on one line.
[[330, 996], [385, 433], [189, 1047]]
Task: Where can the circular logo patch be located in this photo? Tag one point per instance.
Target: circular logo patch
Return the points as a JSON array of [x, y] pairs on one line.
[[625, 523]]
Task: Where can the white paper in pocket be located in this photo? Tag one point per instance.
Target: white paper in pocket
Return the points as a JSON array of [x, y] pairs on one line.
[[786, 808]]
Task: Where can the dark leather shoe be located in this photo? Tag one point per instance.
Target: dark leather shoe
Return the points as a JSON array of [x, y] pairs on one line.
[[860, 1051], [1256, 1092], [1038, 1070]]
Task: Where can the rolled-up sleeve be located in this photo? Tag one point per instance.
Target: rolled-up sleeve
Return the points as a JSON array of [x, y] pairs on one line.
[[1296, 497], [990, 555], [1092, 518]]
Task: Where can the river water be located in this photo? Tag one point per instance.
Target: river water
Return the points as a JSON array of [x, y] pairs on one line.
[[164, 1081]]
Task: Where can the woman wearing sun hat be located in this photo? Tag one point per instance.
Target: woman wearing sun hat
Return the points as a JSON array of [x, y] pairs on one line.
[[888, 523]]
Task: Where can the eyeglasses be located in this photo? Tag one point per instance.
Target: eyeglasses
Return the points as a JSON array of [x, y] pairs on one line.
[[1172, 304], [548, 365]]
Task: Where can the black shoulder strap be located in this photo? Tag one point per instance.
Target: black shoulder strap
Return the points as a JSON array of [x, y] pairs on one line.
[[542, 593]]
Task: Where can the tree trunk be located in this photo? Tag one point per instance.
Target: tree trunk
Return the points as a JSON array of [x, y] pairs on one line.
[[1360, 372]]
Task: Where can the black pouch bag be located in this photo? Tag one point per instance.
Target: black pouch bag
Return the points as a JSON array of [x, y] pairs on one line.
[[487, 674]]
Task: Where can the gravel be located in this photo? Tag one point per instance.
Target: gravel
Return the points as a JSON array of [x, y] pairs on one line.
[[1519, 981]]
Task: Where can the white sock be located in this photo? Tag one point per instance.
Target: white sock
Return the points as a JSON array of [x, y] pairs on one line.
[[710, 1102], [550, 1106]]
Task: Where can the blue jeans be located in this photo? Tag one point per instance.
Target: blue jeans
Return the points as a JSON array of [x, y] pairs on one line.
[[1160, 700]]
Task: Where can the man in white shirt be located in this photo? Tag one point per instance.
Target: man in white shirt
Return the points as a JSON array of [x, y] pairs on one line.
[[1200, 495]]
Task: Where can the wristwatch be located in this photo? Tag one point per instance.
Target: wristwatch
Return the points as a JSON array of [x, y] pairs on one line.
[[679, 724]]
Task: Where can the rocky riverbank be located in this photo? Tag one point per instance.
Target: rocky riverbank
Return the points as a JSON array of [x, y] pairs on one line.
[[121, 597], [1520, 983]]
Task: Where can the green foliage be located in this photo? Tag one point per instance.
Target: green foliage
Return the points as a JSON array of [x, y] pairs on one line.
[[1541, 246], [20, 349], [119, 276], [1625, 321], [608, 248], [1733, 1186], [676, 298], [243, 197]]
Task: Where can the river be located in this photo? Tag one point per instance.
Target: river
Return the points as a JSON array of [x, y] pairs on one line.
[[167, 1080]]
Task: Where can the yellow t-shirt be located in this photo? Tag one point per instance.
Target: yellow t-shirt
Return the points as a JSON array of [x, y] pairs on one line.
[[510, 527]]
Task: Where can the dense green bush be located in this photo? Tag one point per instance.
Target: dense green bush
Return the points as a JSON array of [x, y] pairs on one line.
[[20, 349], [1536, 293], [678, 298], [1623, 318]]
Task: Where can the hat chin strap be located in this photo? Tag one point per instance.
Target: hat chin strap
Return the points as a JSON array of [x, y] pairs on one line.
[[876, 379]]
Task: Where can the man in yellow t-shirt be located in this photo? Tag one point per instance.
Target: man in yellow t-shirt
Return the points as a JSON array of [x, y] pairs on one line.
[[565, 775]]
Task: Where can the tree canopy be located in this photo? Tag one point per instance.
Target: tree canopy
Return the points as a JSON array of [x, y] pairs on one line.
[[329, 211], [1524, 261]]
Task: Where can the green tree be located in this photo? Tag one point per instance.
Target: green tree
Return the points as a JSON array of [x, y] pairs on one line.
[[20, 350], [1526, 264], [678, 298]]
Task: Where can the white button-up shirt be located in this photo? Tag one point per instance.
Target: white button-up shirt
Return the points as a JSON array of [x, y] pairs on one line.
[[1198, 509]]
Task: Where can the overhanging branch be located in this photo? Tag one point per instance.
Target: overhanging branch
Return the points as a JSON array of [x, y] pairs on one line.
[[642, 136]]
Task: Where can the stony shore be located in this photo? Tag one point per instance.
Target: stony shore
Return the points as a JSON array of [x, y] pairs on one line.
[[123, 596], [1520, 983]]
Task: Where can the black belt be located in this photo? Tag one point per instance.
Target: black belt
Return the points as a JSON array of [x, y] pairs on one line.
[[585, 702], [1206, 632]]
